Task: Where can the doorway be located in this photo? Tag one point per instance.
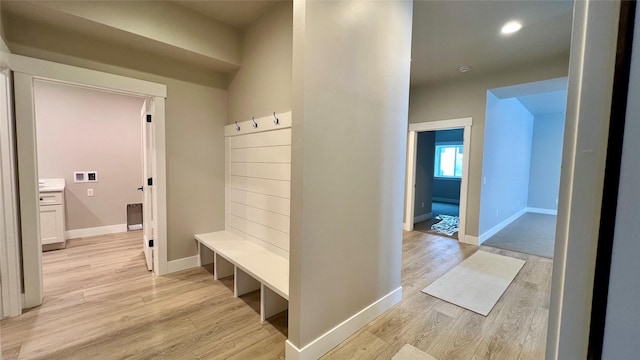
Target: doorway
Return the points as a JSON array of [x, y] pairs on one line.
[[27, 71], [439, 159], [444, 168]]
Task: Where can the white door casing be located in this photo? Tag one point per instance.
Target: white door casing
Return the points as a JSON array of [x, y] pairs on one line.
[[412, 143], [148, 174]]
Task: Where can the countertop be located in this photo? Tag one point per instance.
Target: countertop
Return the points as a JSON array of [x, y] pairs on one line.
[[51, 185]]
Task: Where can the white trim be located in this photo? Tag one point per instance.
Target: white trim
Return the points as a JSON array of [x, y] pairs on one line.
[[591, 73], [10, 270], [338, 334], [494, 230], [542, 211], [445, 200], [422, 217], [266, 123], [183, 264], [412, 142], [95, 231], [441, 124], [409, 201]]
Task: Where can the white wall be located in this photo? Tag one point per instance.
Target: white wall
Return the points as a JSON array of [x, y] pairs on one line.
[[83, 129], [506, 161], [623, 317], [349, 154], [546, 158]]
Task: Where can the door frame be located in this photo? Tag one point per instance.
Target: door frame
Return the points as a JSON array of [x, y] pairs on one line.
[[412, 143], [26, 70]]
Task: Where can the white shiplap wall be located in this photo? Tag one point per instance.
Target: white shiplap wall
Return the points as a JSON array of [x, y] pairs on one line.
[[258, 182]]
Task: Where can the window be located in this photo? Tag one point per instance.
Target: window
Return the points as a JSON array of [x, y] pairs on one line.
[[448, 162]]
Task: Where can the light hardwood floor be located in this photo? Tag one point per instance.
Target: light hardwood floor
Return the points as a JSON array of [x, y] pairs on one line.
[[102, 303]]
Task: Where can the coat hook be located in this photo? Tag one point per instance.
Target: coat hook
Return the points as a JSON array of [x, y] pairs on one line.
[[255, 124], [237, 126], [276, 120]]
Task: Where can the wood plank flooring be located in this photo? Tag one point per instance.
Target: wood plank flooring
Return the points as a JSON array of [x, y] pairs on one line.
[[102, 303]]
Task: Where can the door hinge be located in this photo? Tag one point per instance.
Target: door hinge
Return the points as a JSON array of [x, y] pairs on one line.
[[148, 117], [150, 181], [151, 243]]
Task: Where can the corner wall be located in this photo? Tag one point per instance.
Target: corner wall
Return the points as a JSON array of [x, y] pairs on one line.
[[263, 83], [506, 163], [348, 167], [465, 96]]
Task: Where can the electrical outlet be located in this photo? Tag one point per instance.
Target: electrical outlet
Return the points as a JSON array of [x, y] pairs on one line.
[[423, 204], [89, 192], [497, 212], [484, 180]]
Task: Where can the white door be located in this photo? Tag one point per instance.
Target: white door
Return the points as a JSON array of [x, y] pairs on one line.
[[148, 172]]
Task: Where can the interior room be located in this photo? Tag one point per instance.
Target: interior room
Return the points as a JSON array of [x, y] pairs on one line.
[[521, 177], [281, 134], [439, 159]]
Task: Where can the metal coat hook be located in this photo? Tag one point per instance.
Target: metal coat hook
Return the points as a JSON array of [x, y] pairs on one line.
[[237, 126], [255, 124], [276, 120]]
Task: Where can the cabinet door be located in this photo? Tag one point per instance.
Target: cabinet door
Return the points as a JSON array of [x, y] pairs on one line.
[[51, 224]]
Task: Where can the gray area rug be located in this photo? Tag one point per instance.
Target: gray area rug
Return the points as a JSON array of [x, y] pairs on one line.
[[447, 225], [531, 233]]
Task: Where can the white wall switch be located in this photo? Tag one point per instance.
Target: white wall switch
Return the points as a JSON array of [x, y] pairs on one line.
[[89, 192]]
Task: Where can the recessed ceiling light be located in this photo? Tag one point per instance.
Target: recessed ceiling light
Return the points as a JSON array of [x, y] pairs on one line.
[[464, 68], [511, 27]]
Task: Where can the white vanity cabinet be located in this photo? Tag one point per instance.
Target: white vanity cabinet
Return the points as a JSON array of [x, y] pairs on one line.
[[52, 217]]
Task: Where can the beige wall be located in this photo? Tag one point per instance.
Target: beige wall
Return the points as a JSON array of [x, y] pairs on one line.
[[348, 159], [80, 129], [195, 118], [263, 83], [466, 96]]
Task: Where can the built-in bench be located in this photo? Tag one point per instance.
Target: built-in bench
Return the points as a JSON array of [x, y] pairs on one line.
[[252, 267], [254, 247]]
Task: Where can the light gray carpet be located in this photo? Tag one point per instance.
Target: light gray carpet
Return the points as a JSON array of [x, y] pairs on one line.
[[531, 233], [438, 208]]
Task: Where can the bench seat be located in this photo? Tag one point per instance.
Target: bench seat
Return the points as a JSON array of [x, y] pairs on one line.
[[253, 268]]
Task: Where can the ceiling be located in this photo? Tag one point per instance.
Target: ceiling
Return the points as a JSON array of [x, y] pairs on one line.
[[446, 34], [235, 13], [450, 34], [540, 97]]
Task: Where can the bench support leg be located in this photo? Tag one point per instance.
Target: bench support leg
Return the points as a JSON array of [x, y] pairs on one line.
[[205, 254], [244, 283], [271, 303], [222, 268]]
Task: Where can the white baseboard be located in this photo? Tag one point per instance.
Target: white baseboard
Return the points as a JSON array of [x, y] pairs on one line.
[[96, 231], [542, 211], [468, 239], [445, 200], [494, 230], [182, 264], [338, 334], [422, 217]]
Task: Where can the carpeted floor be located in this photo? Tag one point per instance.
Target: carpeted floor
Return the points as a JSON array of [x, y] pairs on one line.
[[531, 233]]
